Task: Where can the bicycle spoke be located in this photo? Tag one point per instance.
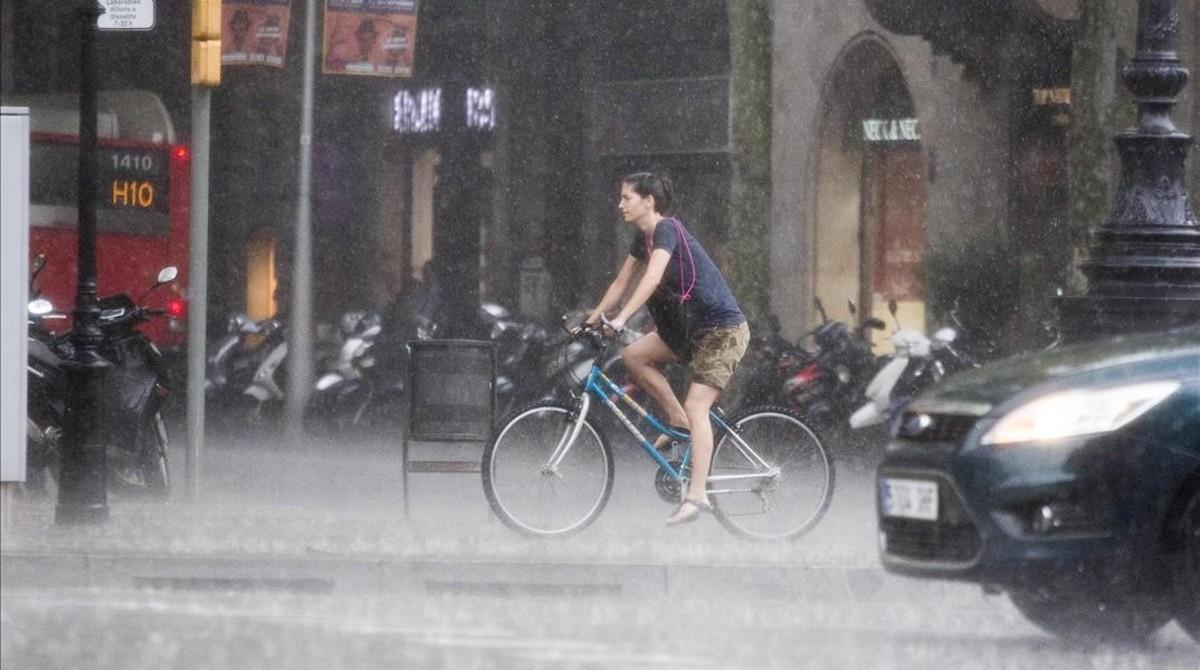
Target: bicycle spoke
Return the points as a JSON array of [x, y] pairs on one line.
[[531, 494], [795, 490]]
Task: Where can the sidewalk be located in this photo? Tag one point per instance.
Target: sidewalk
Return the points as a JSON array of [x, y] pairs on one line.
[[330, 518]]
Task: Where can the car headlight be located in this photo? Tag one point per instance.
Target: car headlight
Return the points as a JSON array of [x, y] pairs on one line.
[[1078, 412]]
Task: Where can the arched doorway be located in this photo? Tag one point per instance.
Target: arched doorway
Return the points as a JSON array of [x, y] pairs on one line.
[[869, 233]]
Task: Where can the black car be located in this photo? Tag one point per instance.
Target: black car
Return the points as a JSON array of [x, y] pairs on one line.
[[1069, 479]]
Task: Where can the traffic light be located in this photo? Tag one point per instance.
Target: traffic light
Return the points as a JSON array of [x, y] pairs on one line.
[[206, 42]]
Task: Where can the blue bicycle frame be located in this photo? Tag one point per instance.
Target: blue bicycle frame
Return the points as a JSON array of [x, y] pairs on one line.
[[599, 385], [603, 388]]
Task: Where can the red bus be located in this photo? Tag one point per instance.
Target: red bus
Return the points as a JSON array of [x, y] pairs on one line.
[[142, 208]]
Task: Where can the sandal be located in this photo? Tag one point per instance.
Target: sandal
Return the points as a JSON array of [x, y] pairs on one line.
[[688, 511], [664, 442]]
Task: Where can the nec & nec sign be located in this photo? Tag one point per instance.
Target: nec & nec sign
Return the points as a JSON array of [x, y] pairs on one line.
[[126, 15]]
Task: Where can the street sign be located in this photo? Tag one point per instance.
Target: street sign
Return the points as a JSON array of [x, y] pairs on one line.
[[126, 15]]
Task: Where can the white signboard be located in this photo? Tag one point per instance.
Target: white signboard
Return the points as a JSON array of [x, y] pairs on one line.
[[126, 15], [891, 130]]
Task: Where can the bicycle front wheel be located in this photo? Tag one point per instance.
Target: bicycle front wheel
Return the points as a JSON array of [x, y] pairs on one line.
[[531, 495], [782, 500]]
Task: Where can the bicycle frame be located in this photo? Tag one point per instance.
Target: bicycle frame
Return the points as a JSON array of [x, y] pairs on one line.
[[600, 386]]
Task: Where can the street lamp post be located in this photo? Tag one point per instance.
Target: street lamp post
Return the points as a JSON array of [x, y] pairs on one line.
[[82, 491], [1143, 268]]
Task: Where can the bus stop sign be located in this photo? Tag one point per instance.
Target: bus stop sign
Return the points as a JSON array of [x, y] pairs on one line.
[[126, 15]]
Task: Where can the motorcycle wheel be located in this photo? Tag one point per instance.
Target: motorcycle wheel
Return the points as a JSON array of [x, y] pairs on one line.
[[42, 458], [144, 472], [153, 458]]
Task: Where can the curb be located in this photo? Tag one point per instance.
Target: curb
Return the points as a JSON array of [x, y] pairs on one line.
[[470, 577]]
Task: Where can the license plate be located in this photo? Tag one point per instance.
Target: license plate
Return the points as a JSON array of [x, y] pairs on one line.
[[909, 498]]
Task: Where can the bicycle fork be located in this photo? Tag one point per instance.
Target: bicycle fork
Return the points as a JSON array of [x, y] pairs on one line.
[[568, 439]]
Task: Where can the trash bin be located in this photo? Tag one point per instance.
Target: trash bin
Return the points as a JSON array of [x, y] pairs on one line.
[[452, 391], [452, 388]]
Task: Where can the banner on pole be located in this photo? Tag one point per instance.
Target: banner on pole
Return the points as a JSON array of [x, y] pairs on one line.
[[370, 37], [254, 32]]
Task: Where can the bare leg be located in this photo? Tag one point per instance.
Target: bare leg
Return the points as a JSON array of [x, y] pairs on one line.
[[642, 359], [700, 399]]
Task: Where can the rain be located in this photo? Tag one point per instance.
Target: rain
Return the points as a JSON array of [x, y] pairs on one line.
[[377, 333]]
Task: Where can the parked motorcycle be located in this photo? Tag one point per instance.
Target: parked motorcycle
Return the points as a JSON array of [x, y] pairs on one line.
[[770, 362], [828, 388], [46, 390], [135, 388]]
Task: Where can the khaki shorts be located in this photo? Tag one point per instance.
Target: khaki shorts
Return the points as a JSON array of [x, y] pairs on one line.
[[716, 353]]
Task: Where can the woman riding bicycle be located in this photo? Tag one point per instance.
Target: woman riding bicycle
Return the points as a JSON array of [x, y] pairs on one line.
[[697, 320]]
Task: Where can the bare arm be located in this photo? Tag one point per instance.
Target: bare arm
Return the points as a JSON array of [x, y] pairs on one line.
[[615, 290], [650, 280]]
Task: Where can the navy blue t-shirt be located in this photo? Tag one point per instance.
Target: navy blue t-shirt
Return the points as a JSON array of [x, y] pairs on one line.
[[712, 304]]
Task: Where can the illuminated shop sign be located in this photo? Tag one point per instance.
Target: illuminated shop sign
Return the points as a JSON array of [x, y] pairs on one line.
[[417, 111], [420, 111], [481, 108], [890, 130]]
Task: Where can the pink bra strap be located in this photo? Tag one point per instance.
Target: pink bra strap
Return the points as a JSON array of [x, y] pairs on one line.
[[686, 293]]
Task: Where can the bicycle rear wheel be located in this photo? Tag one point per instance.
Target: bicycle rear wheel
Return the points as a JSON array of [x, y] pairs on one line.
[[781, 507], [526, 493]]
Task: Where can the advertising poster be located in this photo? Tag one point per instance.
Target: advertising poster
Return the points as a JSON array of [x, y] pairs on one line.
[[370, 37], [254, 32]]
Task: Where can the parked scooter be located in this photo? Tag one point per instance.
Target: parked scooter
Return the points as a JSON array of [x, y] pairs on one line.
[[367, 381], [343, 395], [522, 347], [262, 399], [232, 362], [918, 363]]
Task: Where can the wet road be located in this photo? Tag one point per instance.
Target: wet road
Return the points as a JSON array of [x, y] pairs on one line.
[[353, 585], [165, 628]]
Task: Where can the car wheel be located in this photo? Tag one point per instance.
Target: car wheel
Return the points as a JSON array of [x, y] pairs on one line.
[[1187, 581], [1091, 619]]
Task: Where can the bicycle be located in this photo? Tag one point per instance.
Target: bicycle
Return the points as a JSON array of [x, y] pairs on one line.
[[549, 472]]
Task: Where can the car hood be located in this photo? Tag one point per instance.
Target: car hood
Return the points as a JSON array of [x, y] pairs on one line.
[[976, 392]]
